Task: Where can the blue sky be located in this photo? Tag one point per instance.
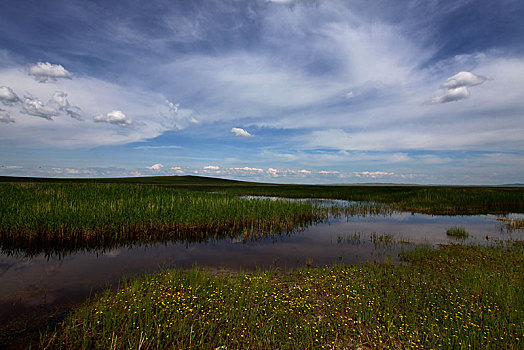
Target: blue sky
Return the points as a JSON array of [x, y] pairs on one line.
[[427, 92]]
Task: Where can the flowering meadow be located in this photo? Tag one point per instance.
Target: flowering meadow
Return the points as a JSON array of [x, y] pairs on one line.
[[454, 297]]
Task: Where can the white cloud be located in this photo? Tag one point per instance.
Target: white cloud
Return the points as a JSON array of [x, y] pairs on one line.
[[194, 121], [60, 98], [8, 96], [172, 107], [114, 117], [456, 87], [72, 171], [5, 117], [35, 107], [329, 172], [454, 94], [272, 171], [45, 71], [177, 170], [373, 174], [94, 97], [248, 169], [239, 132], [212, 167], [304, 171], [463, 79], [156, 166]]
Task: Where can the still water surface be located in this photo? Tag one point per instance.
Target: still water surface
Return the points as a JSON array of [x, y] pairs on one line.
[[27, 283]]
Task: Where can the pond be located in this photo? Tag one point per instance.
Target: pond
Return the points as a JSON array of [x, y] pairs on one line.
[[29, 283]]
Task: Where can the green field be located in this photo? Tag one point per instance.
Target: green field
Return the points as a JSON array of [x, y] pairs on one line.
[[455, 297]]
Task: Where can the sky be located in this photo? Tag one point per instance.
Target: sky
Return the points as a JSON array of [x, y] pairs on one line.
[[297, 91]]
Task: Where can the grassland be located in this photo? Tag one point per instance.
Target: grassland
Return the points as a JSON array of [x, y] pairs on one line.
[[455, 297], [436, 200]]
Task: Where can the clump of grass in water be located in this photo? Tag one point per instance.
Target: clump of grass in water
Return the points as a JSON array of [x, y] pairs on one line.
[[455, 297], [457, 232]]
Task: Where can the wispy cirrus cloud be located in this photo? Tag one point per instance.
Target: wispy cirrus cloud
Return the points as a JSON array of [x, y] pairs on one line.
[[158, 147]]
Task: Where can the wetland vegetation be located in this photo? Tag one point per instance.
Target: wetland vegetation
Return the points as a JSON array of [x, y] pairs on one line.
[[458, 232], [54, 217], [455, 297], [451, 297], [435, 200]]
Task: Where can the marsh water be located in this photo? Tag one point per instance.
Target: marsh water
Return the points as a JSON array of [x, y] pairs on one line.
[[30, 282]]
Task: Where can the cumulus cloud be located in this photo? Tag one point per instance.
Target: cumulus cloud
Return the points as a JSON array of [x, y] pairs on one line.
[[5, 117], [248, 169], [45, 71], [463, 79], [172, 107], [451, 95], [456, 87], [114, 117], [8, 96], [212, 167], [60, 98], [272, 171], [239, 132], [177, 170], [35, 107], [156, 166]]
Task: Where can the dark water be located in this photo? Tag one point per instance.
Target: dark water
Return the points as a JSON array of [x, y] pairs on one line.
[[32, 282]]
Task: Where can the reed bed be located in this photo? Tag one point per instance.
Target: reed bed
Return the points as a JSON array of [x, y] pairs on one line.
[[512, 224], [434, 200], [455, 297], [58, 216]]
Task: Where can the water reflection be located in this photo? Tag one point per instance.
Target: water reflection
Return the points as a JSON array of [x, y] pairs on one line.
[[45, 279]]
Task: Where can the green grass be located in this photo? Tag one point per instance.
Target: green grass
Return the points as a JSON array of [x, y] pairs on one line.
[[436, 200], [43, 217], [457, 232], [455, 297]]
